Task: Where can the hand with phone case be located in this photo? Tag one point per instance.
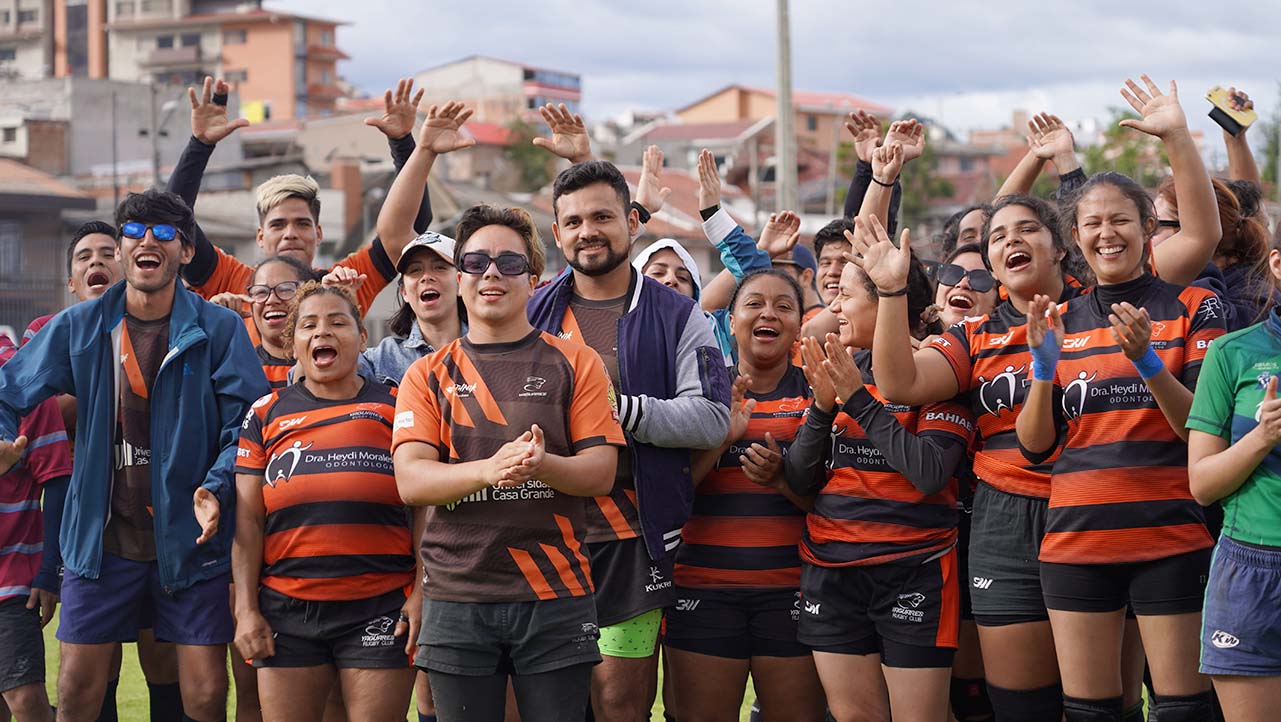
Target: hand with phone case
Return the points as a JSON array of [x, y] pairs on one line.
[[1233, 110]]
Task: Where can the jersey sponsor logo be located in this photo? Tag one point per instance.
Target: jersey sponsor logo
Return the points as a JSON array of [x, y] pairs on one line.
[[261, 402], [378, 633], [1203, 343], [283, 465], [404, 420], [791, 405], [1075, 393], [657, 582], [687, 605], [567, 335], [906, 608], [949, 418], [812, 607], [998, 393], [460, 391], [1000, 340], [1210, 308], [482, 495], [242, 453], [534, 387], [1072, 344], [982, 583], [290, 423], [1223, 640]]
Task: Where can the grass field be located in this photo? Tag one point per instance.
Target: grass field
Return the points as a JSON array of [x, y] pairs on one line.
[[131, 697]]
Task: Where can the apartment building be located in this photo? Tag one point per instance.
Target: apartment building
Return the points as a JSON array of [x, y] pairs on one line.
[[500, 91]]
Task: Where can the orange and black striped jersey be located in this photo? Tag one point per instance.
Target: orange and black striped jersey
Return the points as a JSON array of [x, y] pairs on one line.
[[868, 512], [275, 369], [232, 275], [990, 358], [742, 535], [1119, 491], [467, 400], [614, 516], [336, 528]]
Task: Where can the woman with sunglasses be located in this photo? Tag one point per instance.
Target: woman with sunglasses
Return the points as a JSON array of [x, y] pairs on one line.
[[738, 570], [324, 551], [965, 287]]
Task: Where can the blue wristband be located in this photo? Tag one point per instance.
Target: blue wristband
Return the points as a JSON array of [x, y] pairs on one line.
[[1149, 364], [1045, 358]]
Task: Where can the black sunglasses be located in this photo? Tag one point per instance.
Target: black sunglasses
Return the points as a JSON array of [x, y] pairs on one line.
[[1167, 224], [950, 274], [476, 263]]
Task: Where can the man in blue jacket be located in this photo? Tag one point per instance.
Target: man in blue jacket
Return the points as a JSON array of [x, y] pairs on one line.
[[673, 396], [162, 381]]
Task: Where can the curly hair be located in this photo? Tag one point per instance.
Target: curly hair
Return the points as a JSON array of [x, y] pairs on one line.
[[308, 290]]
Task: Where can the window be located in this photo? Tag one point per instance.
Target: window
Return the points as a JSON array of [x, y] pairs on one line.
[[8, 54], [326, 77], [125, 8], [234, 37], [967, 164], [10, 135], [27, 16], [811, 123], [236, 76], [157, 6], [190, 40], [164, 41], [326, 38], [5, 17], [11, 245]]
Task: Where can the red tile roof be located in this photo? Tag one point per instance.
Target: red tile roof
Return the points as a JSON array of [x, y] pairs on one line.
[[698, 131], [488, 133], [21, 179], [806, 100]]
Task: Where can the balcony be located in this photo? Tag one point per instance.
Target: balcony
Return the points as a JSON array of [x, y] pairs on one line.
[[175, 57], [315, 50], [320, 91]]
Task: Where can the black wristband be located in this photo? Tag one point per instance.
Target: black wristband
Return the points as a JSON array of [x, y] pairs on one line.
[[644, 214], [883, 185], [219, 98], [891, 294]]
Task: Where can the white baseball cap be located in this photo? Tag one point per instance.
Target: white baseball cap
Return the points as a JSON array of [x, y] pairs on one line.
[[443, 246]]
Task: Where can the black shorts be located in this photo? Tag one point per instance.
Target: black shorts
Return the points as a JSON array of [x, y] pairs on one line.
[[21, 645], [478, 639], [628, 583], [1173, 585], [736, 624], [1004, 576], [908, 613], [354, 634]]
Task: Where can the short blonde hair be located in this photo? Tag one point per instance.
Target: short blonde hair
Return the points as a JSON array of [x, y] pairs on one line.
[[278, 189]]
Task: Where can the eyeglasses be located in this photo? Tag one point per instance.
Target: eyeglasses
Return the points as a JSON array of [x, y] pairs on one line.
[[950, 274], [284, 290], [509, 264], [159, 231]]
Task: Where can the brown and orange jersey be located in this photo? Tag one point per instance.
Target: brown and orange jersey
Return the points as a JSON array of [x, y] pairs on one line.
[[336, 528], [743, 535], [1120, 485], [275, 369], [989, 356], [868, 512], [467, 400]]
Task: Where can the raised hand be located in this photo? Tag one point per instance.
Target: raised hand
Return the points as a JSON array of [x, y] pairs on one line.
[[839, 366], [762, 463], [1049, 137], [237, 302], [439, 133], [400, 109], [208, 513], [344, 276], [650, 193], [866, 130], [569, 134], [886, 264], [887, 163], [1269, 414], [1044, 336], [910, 134], [1161, 114], [780, 234], [709, 180], [740, 409], [812, 358], [1131, 328], [209, 121]]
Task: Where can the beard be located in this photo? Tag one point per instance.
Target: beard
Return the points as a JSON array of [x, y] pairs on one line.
[[598, 267]]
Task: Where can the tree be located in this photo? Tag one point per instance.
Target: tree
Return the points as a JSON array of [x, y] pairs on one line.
[[1124, 150], [920, 185], [1270, 133], [534, 164]]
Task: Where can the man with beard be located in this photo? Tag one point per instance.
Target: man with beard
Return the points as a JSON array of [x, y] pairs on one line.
[[673, 394], [136, 532]]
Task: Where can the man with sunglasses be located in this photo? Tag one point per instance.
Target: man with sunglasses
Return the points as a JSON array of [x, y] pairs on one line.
[[668, 372], [500, 433], [141, 522]]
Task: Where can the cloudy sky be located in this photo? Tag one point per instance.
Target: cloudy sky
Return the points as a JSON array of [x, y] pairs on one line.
[[969, 63]]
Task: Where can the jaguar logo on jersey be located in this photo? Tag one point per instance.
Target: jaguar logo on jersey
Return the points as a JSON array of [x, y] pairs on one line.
[[1075, 393], [534, 386], [282, 465], [999, 393]]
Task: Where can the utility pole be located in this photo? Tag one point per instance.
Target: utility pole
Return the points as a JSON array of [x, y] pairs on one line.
[[784, 133], [155, 137], [115, 168]]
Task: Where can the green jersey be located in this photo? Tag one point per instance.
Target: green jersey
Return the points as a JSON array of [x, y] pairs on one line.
[[1229, 394]]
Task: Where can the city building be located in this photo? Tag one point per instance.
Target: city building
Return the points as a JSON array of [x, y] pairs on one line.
[[500, 91]]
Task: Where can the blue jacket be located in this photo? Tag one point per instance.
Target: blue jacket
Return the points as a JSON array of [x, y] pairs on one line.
[[675, 394], [203, 389]]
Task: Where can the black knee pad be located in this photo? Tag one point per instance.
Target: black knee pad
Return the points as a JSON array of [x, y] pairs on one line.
[[969, 700], [1026, 705], [1076, 709], [1190, 708], [1134, 714]]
